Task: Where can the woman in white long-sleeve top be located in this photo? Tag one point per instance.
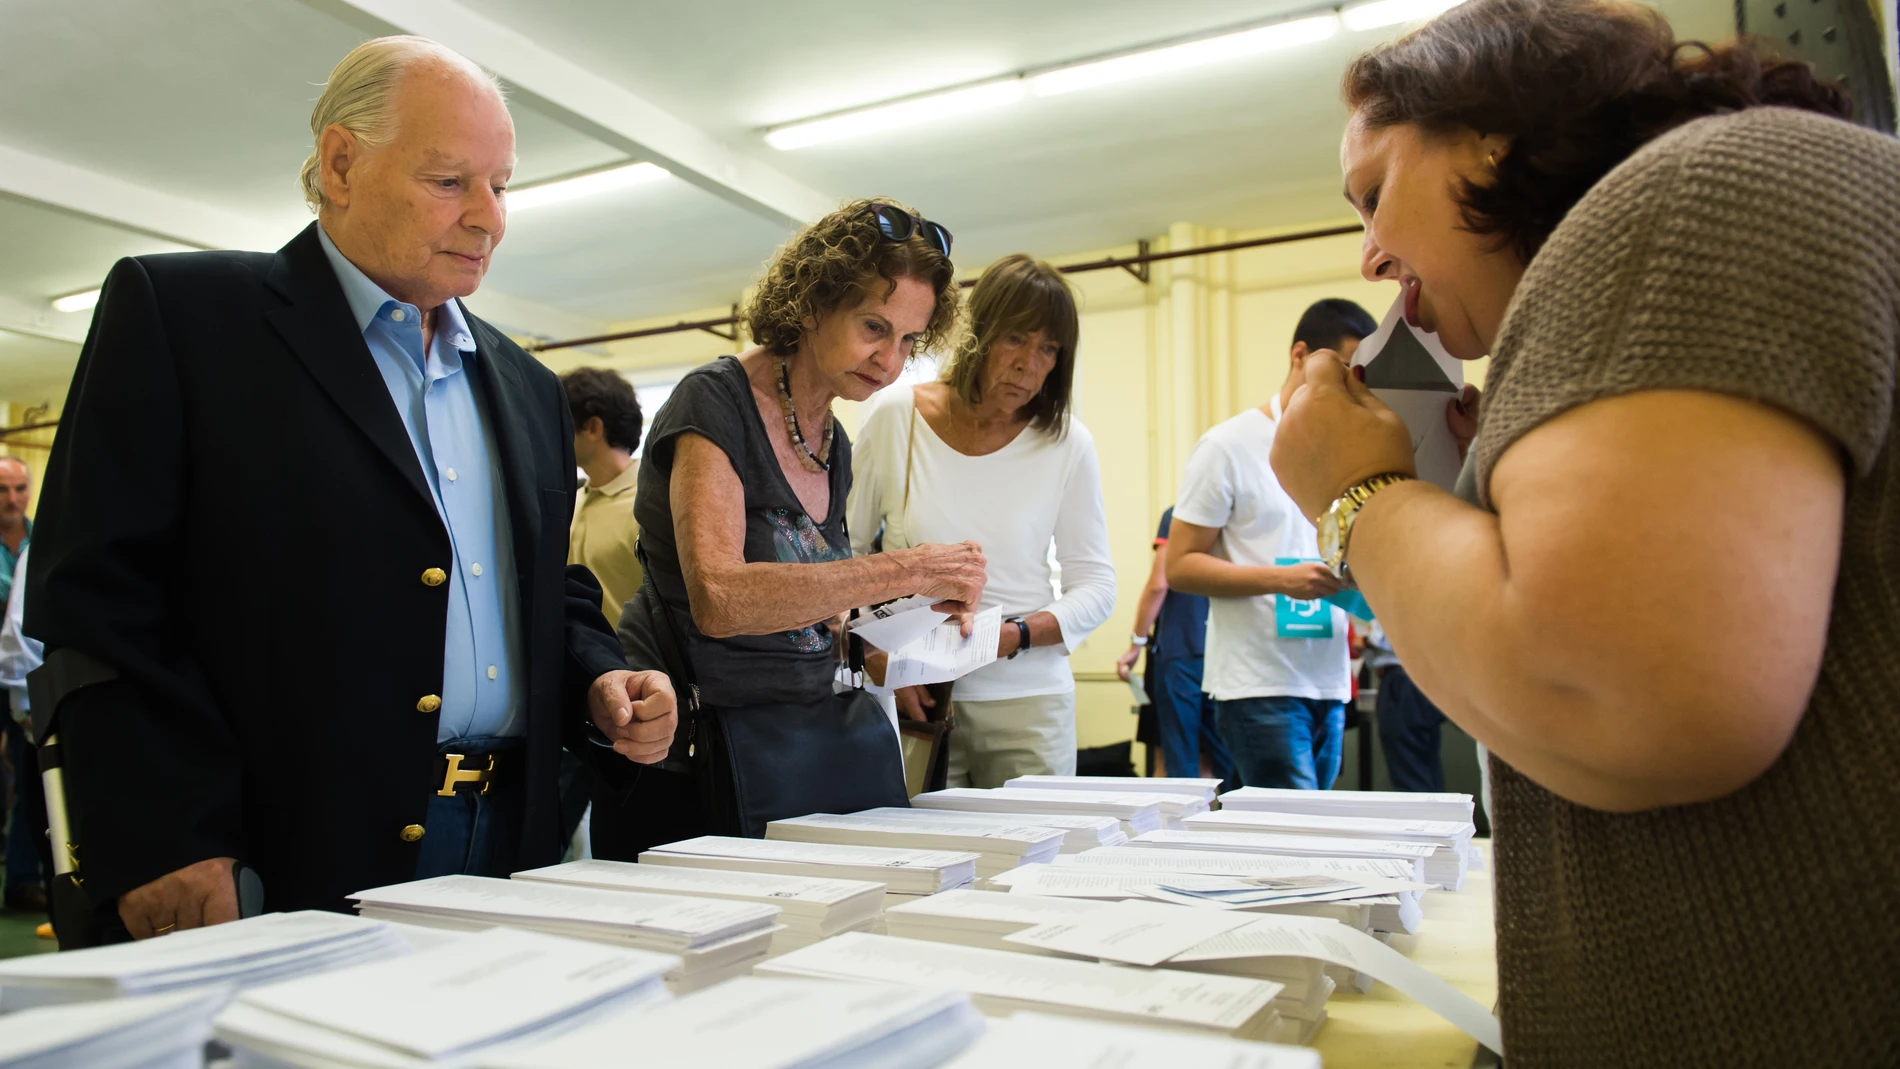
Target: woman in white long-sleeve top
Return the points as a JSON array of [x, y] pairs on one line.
[[992, 455]]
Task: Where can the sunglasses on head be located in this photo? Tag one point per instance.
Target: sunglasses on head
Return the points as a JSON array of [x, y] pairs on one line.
[[896, 224]]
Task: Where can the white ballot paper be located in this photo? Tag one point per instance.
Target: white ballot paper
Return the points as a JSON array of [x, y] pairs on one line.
[[1409, 370], [1135, 933], [1035, 1041], [943, 653], [896, 624]]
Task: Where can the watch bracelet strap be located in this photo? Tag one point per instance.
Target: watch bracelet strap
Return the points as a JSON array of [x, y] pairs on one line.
[[1358, 494]]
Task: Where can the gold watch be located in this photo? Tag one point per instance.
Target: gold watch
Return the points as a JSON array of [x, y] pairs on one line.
[[1335, 527]]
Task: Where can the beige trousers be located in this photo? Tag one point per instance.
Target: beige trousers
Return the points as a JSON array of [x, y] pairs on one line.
[[1000, 740]]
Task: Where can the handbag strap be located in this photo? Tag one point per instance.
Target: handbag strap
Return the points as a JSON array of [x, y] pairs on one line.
[[910, 449], [671, 647]]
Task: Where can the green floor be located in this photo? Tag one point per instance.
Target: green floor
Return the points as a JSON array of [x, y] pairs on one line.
[[16, 934]]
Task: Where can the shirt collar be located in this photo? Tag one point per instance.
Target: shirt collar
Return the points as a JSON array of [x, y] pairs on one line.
[[1275, 417], [368, 300], [619, 484]]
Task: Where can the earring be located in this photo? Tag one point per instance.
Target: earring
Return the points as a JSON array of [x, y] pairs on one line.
[[1491, 160]]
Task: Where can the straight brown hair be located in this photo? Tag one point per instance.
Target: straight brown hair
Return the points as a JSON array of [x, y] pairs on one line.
[[1020, 294]]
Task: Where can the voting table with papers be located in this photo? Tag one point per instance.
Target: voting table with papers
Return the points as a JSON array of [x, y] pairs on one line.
[[1145, 929]]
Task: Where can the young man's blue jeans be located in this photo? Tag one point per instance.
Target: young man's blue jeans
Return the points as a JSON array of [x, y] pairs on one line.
[[1185, 716], [1284, 742]]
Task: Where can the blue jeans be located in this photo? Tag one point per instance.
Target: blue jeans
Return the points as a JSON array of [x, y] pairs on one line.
[[1284, 742], [1408, 732], [473, 833], [1186, 720]]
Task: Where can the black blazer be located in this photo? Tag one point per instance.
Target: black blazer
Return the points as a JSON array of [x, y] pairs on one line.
[[234, 519]]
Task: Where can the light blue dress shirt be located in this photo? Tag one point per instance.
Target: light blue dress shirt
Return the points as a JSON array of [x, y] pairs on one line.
[[482, 686]]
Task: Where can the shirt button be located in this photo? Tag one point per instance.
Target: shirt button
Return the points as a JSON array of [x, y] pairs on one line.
[[434, 577], [476, 568], [492, 673], [412, 833], [428, 703], [451, 474], [399, 315]]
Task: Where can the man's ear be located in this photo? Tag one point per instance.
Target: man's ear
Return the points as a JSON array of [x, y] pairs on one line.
[[337, 153], [1297, 358], [595, 427]]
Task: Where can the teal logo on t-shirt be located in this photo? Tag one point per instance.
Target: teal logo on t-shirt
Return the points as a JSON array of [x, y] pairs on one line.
[[1293, 618]]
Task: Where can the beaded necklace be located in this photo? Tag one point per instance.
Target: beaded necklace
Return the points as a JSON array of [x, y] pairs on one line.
[[811, 461]]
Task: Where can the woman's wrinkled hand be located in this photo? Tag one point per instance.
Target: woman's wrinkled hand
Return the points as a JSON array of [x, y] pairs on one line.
[[954, 572], [1335, 434]]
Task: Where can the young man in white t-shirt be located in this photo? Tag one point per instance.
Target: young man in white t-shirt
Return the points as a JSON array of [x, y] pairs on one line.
[[1277, 659]]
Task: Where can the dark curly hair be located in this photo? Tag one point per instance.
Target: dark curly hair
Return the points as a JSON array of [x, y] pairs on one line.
[[1577, 85], [593, 391], [832, 263]]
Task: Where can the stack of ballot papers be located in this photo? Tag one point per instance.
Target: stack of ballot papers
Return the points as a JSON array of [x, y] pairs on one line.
[[1199, 787], [1451, 840], [998, 847], [1137, 812], [904, 873], [1219, 838], [1079, 832], [143, 1032], [1150, 934], [1035, 1041], [256, 950], [1001, 983], [713, 939], [985, 918], [758, 1022], [810, 908], [455, 1005], [1387, 805]]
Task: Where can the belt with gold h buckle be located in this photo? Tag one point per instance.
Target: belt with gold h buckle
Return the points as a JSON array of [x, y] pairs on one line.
[[455, 775]]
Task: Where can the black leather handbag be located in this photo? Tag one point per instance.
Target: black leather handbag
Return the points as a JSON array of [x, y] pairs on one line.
[[758, 763]]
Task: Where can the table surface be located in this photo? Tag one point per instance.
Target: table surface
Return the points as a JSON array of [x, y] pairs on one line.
[[1386, 1030]]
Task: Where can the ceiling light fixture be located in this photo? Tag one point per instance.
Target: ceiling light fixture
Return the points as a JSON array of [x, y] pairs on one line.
[[898, 113], [1379, 13], [1190, 54], [632, 174], [76, 302]]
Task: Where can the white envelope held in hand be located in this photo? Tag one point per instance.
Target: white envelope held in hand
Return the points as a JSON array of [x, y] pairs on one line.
[[1409, 370]]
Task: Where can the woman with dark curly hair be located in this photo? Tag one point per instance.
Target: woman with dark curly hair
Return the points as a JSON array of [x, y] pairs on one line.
[[1665, 597], [741, 507]]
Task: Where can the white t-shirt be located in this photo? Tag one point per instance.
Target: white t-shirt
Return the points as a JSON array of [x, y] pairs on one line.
[[1014, 502], [1230, 486]]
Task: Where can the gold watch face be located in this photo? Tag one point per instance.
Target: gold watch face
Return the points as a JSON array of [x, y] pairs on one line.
[[1329, 531]]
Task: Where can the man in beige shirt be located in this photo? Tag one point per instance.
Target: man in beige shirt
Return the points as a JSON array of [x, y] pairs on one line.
[[607, 422]]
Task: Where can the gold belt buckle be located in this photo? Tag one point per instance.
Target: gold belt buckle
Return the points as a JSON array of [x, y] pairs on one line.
[[458, 774]]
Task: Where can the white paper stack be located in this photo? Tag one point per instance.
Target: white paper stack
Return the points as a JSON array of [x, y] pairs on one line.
[[985, 918], [257, 950], [1228, 838], [1200, 787], [1451, 839], [714, 939], [1034, 1041], [1137, 812], [1388, 805], [904, 873], [451, 1006], [143, 1032], [1402, 913], [1001, 982], [998, 847], [1079, 832], [810, 908], [758, 1022]]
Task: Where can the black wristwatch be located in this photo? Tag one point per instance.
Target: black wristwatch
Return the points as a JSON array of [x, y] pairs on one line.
[[1022, 636]]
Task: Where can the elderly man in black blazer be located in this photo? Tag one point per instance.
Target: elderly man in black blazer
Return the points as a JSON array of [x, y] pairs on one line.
[[300, 567]]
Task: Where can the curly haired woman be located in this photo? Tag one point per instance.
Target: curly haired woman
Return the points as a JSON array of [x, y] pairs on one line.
[[1665, 595], [741, 507]]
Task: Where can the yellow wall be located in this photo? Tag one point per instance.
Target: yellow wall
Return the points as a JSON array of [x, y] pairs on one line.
[[1160, 363]]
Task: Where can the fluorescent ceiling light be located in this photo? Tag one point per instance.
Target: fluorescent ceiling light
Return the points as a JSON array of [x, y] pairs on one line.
[[879, 117], [76, 302], [1371, 16], [585, 185], [1191, 54]]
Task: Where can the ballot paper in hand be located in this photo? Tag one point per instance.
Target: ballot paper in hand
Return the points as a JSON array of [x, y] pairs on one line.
[[944, 653], [1409, 369], [896, 624]]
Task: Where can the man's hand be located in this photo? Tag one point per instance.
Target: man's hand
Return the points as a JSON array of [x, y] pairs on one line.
[[1307, 581], [1461, 418], [637, 710], [1125, 664], [192, 897], [912, 701]]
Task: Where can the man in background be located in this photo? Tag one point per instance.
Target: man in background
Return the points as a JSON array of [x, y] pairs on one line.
[[1190, 742], [26, 821], [1277, 660], [607, 422]]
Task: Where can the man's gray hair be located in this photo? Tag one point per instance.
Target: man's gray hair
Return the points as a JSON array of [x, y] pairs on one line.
[[358, 97]]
